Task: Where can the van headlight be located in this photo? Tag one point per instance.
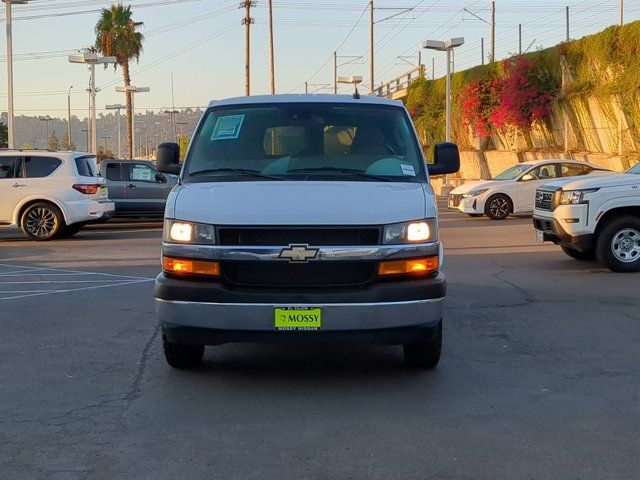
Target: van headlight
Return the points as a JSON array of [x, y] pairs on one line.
[[575, 197], [178, 231], [411, 232]]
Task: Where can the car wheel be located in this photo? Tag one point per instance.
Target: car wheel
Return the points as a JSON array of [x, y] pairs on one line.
[[426, 354], [181, 356], [475, 215], [498, 207], [619, 244], [578, 255], [42, 221]]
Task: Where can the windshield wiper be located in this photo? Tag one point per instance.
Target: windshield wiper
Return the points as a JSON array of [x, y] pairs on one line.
[[237, 171], [349, 171]]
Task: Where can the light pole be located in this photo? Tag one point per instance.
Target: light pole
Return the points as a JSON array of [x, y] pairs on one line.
[[92, 59], [117, 107], [69, 140], [132, 89], [86, 131], [446, 46], [10, 138], [105, 143], [172, 119]]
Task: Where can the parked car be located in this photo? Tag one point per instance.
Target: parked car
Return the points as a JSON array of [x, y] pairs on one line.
[[591, 218], [302, 218], [136, 187], [50, 194], [514, 190]]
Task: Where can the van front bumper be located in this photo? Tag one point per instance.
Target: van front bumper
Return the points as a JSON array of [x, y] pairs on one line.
[[384, 313]]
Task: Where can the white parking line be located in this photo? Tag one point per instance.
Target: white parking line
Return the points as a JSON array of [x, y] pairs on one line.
[[52, 292], [78, 272]]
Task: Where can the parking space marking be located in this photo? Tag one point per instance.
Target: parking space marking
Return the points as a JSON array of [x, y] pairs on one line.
[[60, 280]]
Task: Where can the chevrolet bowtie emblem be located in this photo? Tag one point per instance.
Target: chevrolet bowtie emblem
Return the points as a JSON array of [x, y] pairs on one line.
[[299, 253]]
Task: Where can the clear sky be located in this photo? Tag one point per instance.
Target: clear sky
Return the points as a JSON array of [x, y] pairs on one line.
[[202, 43]]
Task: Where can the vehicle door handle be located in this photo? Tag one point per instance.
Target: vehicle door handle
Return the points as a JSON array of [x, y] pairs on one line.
[[131, 185], [18, 185]]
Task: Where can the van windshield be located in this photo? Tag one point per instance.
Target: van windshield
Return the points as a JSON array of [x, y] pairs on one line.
[[305, 142]]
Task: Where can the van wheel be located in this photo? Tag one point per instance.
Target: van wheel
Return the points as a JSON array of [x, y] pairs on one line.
[[498, 207], [42, 221], [578, 255], [425, 355], [619, 244], [181, 356]]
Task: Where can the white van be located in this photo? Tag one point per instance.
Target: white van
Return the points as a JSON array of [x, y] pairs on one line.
[[302, 218], [50, 194]]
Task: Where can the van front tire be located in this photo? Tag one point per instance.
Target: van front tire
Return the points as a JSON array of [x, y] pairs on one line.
[[425, 355], [182, 356]]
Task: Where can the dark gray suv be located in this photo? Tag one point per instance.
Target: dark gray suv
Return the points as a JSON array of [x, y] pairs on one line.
[[136, 187]]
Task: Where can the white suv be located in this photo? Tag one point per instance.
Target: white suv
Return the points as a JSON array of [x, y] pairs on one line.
[[50, 194], [598, 216]]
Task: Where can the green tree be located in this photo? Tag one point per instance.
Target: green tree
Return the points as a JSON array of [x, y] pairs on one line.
[[67, 144], [102, 153], [26, 146], [117, 36], [54, 143], [4, 135], [183, 142]]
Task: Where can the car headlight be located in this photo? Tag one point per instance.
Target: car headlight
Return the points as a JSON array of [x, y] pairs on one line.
[[474, 193], [177, 231], [575, 197], [411, 232]]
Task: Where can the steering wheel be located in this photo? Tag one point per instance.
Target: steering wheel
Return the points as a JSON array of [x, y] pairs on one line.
[[383, 145]]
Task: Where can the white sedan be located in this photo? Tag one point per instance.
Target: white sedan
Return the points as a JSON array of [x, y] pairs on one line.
[[514, 190]]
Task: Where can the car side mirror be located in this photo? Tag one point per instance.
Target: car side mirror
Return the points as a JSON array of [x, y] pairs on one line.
[[168, 158], [446, 158], [160, 178], [526, 178]]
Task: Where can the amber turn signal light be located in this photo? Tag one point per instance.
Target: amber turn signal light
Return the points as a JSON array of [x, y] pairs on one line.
[[190, 267], [416, 266]]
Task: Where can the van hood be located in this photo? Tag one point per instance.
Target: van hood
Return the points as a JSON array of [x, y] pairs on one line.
[[300, 203], [593, 181], [466, 187]]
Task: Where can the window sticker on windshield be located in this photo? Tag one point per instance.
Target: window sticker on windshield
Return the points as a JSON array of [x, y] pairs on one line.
[[408, 170], [227, 128]]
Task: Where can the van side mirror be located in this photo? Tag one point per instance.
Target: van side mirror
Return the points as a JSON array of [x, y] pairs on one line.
[[168, 158], [446, 158]]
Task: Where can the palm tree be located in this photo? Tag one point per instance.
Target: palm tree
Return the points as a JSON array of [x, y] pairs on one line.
[[117, 36]]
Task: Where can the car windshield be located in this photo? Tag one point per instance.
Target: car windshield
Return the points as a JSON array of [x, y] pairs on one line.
[[302, 142], [635, 169], [512, 172]]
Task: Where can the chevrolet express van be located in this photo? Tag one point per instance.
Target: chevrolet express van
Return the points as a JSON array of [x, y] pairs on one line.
[[302, 218]]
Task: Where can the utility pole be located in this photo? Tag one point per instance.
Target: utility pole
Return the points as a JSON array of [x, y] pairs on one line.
[[567, 21], [433, 69], [621, 12], [46, 121], [520, 39], [565, 82], [272, 74], [86, 130], [371, 62], [69, 140], [105, 143], [335, 73], [482, 51], [306, 87], [493, 32], [247, 21]]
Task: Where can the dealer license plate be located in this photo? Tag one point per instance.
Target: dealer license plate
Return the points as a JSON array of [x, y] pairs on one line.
[[539, 236], [298, 319], [103, 190]]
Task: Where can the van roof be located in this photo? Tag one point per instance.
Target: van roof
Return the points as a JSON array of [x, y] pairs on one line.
[[305, 98]]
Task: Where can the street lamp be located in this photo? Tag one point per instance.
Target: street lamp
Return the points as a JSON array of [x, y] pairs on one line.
[[353, 80], [446, 46], [69, 141], [92, 59], [172, 119], [117, 107], [132, 89], [46, 121], [10, 140]]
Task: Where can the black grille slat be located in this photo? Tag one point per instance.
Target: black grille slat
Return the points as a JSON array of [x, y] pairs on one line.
[[313, 274], [544, 200], [316, 236]]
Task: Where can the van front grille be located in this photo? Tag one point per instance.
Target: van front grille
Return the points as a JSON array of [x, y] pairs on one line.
[[283, 236]]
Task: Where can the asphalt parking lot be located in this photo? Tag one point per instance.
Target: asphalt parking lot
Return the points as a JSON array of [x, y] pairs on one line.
[[539, 376]]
